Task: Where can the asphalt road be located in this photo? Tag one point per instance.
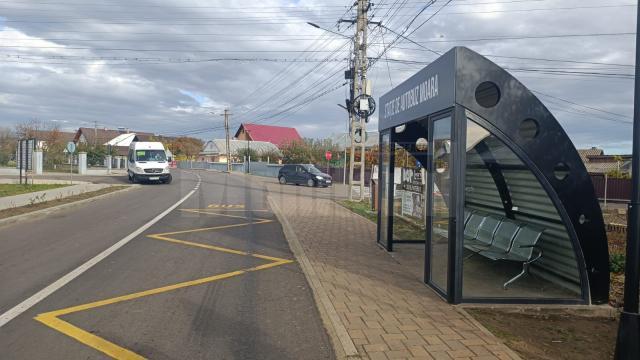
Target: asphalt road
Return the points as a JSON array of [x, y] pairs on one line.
[[214, 279]]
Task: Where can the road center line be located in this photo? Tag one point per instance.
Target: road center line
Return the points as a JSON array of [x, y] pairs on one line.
[[56, 285]]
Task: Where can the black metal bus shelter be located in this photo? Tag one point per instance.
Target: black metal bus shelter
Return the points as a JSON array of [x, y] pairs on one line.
[[476, 168]]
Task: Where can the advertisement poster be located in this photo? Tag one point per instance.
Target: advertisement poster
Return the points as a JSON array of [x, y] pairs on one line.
[[412, 186]]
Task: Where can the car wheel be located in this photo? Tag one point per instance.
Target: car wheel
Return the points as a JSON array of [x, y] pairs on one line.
[[167, 180], [311, 183], [133, 178], [130, 178], [282, 180]]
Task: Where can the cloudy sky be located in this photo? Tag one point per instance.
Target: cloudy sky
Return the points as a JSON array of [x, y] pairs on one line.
[[172, 66]]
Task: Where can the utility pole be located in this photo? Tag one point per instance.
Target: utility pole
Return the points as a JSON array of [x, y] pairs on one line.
[[226, 130], [95, 133], [628, 343], [359, 74]]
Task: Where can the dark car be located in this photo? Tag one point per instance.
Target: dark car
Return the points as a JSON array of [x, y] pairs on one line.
[[303, 174]]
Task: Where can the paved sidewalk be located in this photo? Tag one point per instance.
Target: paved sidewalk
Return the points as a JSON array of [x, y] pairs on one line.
[[8, 202], [386, 310]]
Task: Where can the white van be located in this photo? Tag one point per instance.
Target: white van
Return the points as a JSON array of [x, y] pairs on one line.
[[147, 161]]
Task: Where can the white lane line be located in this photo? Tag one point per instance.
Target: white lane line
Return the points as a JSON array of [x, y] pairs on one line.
[[56, 285]]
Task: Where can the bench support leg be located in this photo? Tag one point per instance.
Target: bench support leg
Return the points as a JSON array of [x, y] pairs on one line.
[[525, 271]]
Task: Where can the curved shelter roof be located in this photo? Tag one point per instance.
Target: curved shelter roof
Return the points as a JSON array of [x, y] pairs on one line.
[[524, 135]]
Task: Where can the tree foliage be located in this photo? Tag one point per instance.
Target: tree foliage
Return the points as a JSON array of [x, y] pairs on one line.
[[54, 146], [7, 145], [185, 147], [247, 152], [296, 152]]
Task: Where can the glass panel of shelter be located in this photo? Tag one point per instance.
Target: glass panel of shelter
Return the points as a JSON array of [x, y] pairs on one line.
[[384, 175], [515, 242], [407, 193], [409, 183], [440, 204], [411, 186]]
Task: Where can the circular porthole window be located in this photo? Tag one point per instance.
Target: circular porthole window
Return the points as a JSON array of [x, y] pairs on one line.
[[561, 171], [422, 144], [582, 219], [529, 129], [487, 94]]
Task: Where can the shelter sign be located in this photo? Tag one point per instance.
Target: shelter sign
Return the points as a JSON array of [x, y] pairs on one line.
[[429, 90]]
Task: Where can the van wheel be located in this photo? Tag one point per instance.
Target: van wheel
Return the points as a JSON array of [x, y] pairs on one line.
[[133, 178], [168, 180], [311, 183], [282, 180]]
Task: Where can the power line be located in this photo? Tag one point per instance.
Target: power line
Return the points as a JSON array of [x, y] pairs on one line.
[[583, 106]]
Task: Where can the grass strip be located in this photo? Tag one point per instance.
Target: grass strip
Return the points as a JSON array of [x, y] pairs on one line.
[[18, 189], [7, 213]]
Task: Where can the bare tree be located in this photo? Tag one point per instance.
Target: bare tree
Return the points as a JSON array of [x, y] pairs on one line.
[[29, 129], [7, 145]]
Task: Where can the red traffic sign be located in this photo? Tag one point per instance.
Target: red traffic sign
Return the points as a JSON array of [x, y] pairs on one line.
[[327, 155]]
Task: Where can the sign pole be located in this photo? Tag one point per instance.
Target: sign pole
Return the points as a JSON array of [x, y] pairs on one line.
[[20, 159], [71, 148], [71, 167]]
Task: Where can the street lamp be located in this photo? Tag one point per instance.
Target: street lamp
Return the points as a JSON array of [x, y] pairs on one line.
[[327, 30], [628, 343]]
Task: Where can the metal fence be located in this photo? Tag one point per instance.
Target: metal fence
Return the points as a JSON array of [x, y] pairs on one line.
[[266, 169], [610, 188], [201, 165]]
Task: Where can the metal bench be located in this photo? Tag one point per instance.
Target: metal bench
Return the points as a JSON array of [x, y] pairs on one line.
[[521, 249], [467, 215], [485, 234], [472, 225]]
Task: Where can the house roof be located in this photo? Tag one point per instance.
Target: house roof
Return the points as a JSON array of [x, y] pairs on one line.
[[122, 140], [218, 147], [101, 136], [43, 135], [586, 153], [277, 135], [605, 167]]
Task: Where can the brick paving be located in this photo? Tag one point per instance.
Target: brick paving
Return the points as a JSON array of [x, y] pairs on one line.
[[386, 309]]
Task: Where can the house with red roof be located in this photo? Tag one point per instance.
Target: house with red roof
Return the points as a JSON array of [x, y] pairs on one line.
[[277, 135]]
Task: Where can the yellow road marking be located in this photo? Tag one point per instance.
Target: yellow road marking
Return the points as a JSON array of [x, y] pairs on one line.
[[52, 320], [218, 214], [225, 206], [87, 338]]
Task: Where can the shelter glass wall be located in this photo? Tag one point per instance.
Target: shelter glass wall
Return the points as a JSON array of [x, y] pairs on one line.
[[409, 183], [441, 207], [385, 179], [515, 242]]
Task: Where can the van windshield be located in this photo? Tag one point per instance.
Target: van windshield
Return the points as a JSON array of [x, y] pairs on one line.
[[151, 155]]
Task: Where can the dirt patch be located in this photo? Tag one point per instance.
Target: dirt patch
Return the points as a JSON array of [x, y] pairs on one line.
[[7, 213], [555, 335]]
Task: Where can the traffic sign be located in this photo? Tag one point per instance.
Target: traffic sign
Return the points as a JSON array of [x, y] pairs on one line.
[[71, 147], [327, 155]]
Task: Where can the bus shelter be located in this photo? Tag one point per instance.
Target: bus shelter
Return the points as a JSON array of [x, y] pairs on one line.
[[477, 171]]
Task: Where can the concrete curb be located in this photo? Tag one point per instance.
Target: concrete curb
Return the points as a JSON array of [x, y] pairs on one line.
[[41, 213], [337, 331]]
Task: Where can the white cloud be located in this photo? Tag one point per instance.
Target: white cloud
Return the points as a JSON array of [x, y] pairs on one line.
[[146, 93]]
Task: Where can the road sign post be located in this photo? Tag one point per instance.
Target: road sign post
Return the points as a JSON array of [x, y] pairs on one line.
[[71, 148]]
